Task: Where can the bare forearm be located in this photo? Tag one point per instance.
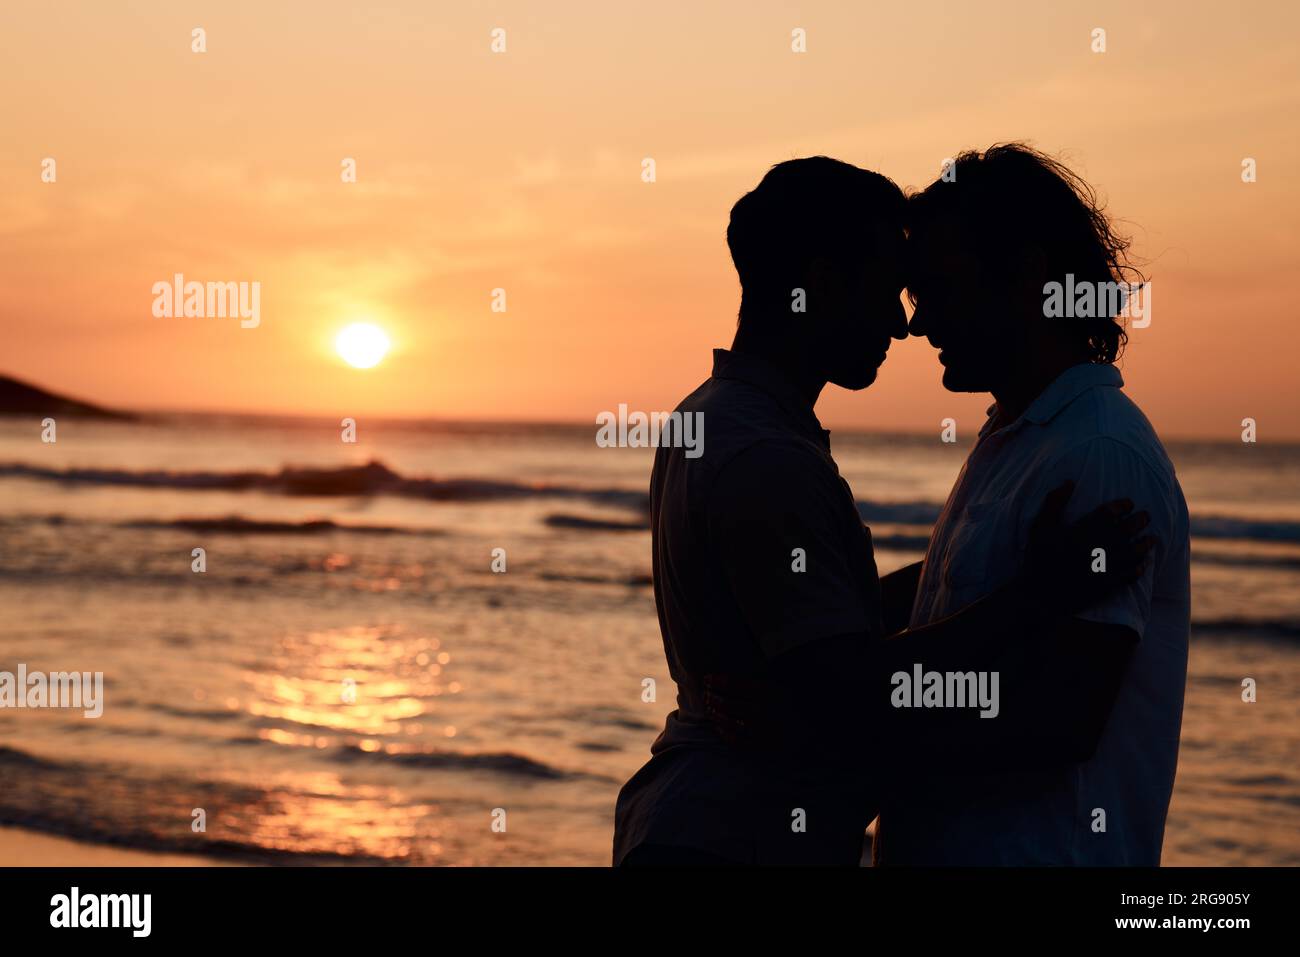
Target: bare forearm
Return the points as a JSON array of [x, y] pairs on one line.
[[976, 635], [1055, 692]]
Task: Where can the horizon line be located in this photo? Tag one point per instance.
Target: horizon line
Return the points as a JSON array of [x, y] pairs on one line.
[[1173, 436]]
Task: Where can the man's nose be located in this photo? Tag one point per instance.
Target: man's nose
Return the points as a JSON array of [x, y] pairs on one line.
[[898, 328], [919, 326]]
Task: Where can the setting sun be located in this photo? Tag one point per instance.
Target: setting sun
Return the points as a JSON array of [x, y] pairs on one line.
[[362, 345]]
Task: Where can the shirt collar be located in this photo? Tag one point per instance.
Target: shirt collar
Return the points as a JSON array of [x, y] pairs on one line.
[[1065, 388], [762, 374]]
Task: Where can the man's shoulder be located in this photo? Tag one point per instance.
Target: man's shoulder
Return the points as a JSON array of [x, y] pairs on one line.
[[737, 404], [1106, 435], [742, 420], [774, 465], [1108, 421]]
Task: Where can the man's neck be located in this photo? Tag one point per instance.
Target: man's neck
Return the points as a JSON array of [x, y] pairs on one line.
[[1015, 396], [783, 356]]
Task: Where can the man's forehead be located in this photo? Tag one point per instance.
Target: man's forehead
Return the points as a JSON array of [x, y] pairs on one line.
[[936, 230], [887, 239], [937, 238]]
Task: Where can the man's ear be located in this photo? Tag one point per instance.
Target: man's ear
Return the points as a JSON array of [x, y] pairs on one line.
[[1030, 273], [1030, 265], [820, 277]]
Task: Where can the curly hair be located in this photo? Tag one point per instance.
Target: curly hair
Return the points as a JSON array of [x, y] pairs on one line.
[[1010, 196]]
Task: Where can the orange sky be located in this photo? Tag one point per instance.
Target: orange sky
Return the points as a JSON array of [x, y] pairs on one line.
[[522, 171]]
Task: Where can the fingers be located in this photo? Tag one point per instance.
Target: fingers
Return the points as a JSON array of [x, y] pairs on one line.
[[1107, 514], [1142, 557], [1059, 497], [724, 717], [1092, 557], [1130, 561], [1127, 560], [1053, 508], [1123, 548], [731, 705], [1134, 523], [731, 687]]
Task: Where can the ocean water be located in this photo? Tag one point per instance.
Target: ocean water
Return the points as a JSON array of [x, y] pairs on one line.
[[363, 571]]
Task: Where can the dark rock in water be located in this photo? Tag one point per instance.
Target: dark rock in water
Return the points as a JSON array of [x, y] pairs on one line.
[[595, 524], [19, 398]]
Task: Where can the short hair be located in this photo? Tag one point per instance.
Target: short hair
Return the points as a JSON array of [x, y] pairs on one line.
[[805, 209], [1011, 195]]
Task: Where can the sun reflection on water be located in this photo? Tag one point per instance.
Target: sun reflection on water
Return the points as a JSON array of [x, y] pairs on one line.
[[369, 688]]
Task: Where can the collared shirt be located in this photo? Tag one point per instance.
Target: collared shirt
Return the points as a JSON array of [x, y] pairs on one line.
[[1111, 809], [758, 548]]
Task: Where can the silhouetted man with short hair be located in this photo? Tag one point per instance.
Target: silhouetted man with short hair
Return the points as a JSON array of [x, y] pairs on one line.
[[764, 574]]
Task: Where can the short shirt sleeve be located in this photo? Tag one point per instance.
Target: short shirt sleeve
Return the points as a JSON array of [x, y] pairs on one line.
[[783, 526], [1104, 469]]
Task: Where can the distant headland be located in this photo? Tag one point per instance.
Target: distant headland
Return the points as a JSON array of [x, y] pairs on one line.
[[21, 398]]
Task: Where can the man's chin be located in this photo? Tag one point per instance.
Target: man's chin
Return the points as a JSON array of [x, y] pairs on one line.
[[955, 381], [856, 381]]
